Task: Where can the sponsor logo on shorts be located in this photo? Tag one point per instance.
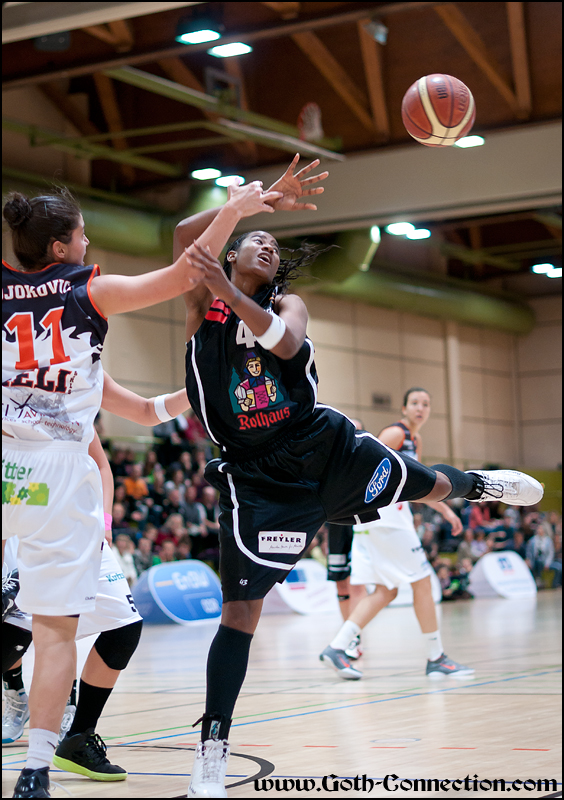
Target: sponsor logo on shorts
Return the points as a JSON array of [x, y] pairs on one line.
[[243, 582], [378, 481], [281, 541], [14, 494], [115, 576], [90, 598]]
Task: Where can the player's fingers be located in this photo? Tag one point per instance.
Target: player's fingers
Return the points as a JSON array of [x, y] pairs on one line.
[[318, 190], [299, 206], [308, 168], [314, 178]]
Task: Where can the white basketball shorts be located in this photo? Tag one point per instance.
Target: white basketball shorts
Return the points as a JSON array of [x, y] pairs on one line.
[[114, 603], [388, 556], [52, 501]]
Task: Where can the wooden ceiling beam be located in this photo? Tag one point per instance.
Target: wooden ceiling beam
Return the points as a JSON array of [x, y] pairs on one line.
[[117, 33], [465, 34], [285, 10], [233, 68], [66, 106], [178, 72], [476, 244], [267, 33], [322, 58], [108, 100], [372, 59], [520, 58]]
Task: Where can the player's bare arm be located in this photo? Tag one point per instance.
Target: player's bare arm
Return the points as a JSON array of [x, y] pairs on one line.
[[127, 404], [392, 436]]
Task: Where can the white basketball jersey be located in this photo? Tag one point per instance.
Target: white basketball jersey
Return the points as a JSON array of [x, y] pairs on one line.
[[52, 338]]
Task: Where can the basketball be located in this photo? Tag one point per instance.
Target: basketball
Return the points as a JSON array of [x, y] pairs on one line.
[[437, 110]]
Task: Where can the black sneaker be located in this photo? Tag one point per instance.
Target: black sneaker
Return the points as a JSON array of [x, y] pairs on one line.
[[85, 754], [33, 783]]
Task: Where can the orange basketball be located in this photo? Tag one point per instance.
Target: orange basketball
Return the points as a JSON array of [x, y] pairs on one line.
[[437, 110]]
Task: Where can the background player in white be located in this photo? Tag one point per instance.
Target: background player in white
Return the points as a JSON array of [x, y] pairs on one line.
[[54, 323], [388, 552]]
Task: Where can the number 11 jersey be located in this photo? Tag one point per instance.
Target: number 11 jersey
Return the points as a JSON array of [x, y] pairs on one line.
[[52, 339]]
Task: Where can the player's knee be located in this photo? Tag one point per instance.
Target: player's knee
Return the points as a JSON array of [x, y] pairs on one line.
[[242, 615], [116, 647], [392, 594], [442, 487]]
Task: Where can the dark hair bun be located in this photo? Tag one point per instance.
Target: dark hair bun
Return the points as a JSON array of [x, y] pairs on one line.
[[17, 210]]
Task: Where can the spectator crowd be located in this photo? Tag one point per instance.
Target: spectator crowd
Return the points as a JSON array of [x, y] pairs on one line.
[[164, 510]]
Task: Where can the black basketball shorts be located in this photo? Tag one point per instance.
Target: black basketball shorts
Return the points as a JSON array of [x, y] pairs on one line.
[[339, 543], [272, 506]]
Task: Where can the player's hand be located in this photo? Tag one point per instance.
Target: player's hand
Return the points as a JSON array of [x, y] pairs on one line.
[[293, 186], [191, 271], [251, 199], [455, 522], [214, 276]]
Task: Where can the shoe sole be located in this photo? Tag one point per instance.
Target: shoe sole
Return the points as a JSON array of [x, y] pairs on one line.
[[10, 741], [459, 675], [340, 672], [70, 766]]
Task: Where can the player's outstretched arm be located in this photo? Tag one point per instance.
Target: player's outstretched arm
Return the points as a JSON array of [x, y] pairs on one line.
[[96, 451], [291, 309], [116, 294], [129, 405]]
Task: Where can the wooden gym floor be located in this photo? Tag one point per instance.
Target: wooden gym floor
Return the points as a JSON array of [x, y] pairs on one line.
[[296, 719]]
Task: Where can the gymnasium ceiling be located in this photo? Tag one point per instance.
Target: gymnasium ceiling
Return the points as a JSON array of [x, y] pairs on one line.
[[508, 53]]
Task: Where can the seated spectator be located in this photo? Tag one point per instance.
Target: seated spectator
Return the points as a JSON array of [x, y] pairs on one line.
[[149, 464], [479, 545], [518, 544], [464, 549], [211, 509], [198, 466], [418, 523], [124, 548], [503, 532], [450, 583], [119, 522], [156, 498], [540, 551], [195, 432], [429, 542], [118, 464], [479, 516], [172, 529], [172, 504], [143, 556], [183, 548], [512, 513], [193, 512], [176, 481], [463, 570], [556, 564], [167, 551], [135, 484]]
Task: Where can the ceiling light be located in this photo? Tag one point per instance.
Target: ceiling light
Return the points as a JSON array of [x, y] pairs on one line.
[[228, 180], [470, 141], [375, 234], [555, 272], [377, 30], [197, 29], [205, 174], [419, 233], [228, 50], [197, 37], [400, 228], [542, 269]]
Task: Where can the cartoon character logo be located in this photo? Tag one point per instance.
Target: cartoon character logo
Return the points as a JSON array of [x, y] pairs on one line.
[[258, 390]]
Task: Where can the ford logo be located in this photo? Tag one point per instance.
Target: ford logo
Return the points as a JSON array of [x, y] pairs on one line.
[[378, 481]]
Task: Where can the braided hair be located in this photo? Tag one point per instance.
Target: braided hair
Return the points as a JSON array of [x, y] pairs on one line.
[[289, 268]]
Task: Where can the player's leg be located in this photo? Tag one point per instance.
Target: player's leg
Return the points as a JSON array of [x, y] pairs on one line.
[[438, 663], [119, 626], [251, 563], [335, 655]]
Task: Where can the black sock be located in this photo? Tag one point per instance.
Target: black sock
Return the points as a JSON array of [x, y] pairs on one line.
[[72, 697], [227, 666], [464, 484], [13, 679], [91, 702]]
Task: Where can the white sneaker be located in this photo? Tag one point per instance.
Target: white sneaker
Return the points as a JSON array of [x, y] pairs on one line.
[[210, 766], [509, 486], [353, 650], [16, 714], [68, 718]]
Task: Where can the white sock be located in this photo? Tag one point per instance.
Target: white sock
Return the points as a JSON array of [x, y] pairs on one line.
[[434, 645], [346, 633], [41, 748]]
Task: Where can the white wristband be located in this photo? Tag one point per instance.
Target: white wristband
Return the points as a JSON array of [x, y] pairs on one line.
[[273, 334], [160, 408]]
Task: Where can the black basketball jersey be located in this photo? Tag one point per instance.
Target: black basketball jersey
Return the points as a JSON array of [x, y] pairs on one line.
[[409, 445], [244, 395], [52, 338]]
